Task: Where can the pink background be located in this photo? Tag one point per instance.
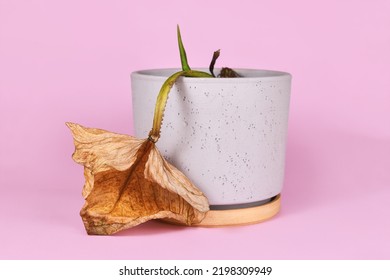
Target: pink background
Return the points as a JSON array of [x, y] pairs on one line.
[[71, 61]]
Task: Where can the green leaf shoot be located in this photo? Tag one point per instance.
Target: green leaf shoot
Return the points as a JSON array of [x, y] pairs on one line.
[[183, 55]]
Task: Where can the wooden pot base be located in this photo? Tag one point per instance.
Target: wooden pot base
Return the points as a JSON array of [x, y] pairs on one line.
[[236, 217]]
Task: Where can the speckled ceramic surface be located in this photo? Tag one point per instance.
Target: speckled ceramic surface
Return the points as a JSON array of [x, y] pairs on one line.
[[228, 135]]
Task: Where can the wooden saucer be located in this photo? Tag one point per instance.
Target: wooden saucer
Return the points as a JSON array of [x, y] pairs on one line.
[[242, 216]]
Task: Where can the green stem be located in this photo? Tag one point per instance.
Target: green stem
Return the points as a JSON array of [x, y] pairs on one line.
[[183, 55], [162, 98]]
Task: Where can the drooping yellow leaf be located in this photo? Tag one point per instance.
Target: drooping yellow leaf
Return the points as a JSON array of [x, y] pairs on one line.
[[128, 182]]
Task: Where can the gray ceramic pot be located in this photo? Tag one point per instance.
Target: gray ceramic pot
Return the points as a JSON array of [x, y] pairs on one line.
[[228, 135]]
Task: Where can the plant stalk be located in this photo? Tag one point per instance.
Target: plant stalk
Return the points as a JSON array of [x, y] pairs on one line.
[[162, 98]]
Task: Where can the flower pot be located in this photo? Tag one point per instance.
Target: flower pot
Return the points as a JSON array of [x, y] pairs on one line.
[[228, 135]]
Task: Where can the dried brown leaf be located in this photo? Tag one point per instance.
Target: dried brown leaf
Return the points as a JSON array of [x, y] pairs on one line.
[[128, 182]]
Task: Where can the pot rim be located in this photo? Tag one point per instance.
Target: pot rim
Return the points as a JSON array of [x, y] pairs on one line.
[[249, 75]]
